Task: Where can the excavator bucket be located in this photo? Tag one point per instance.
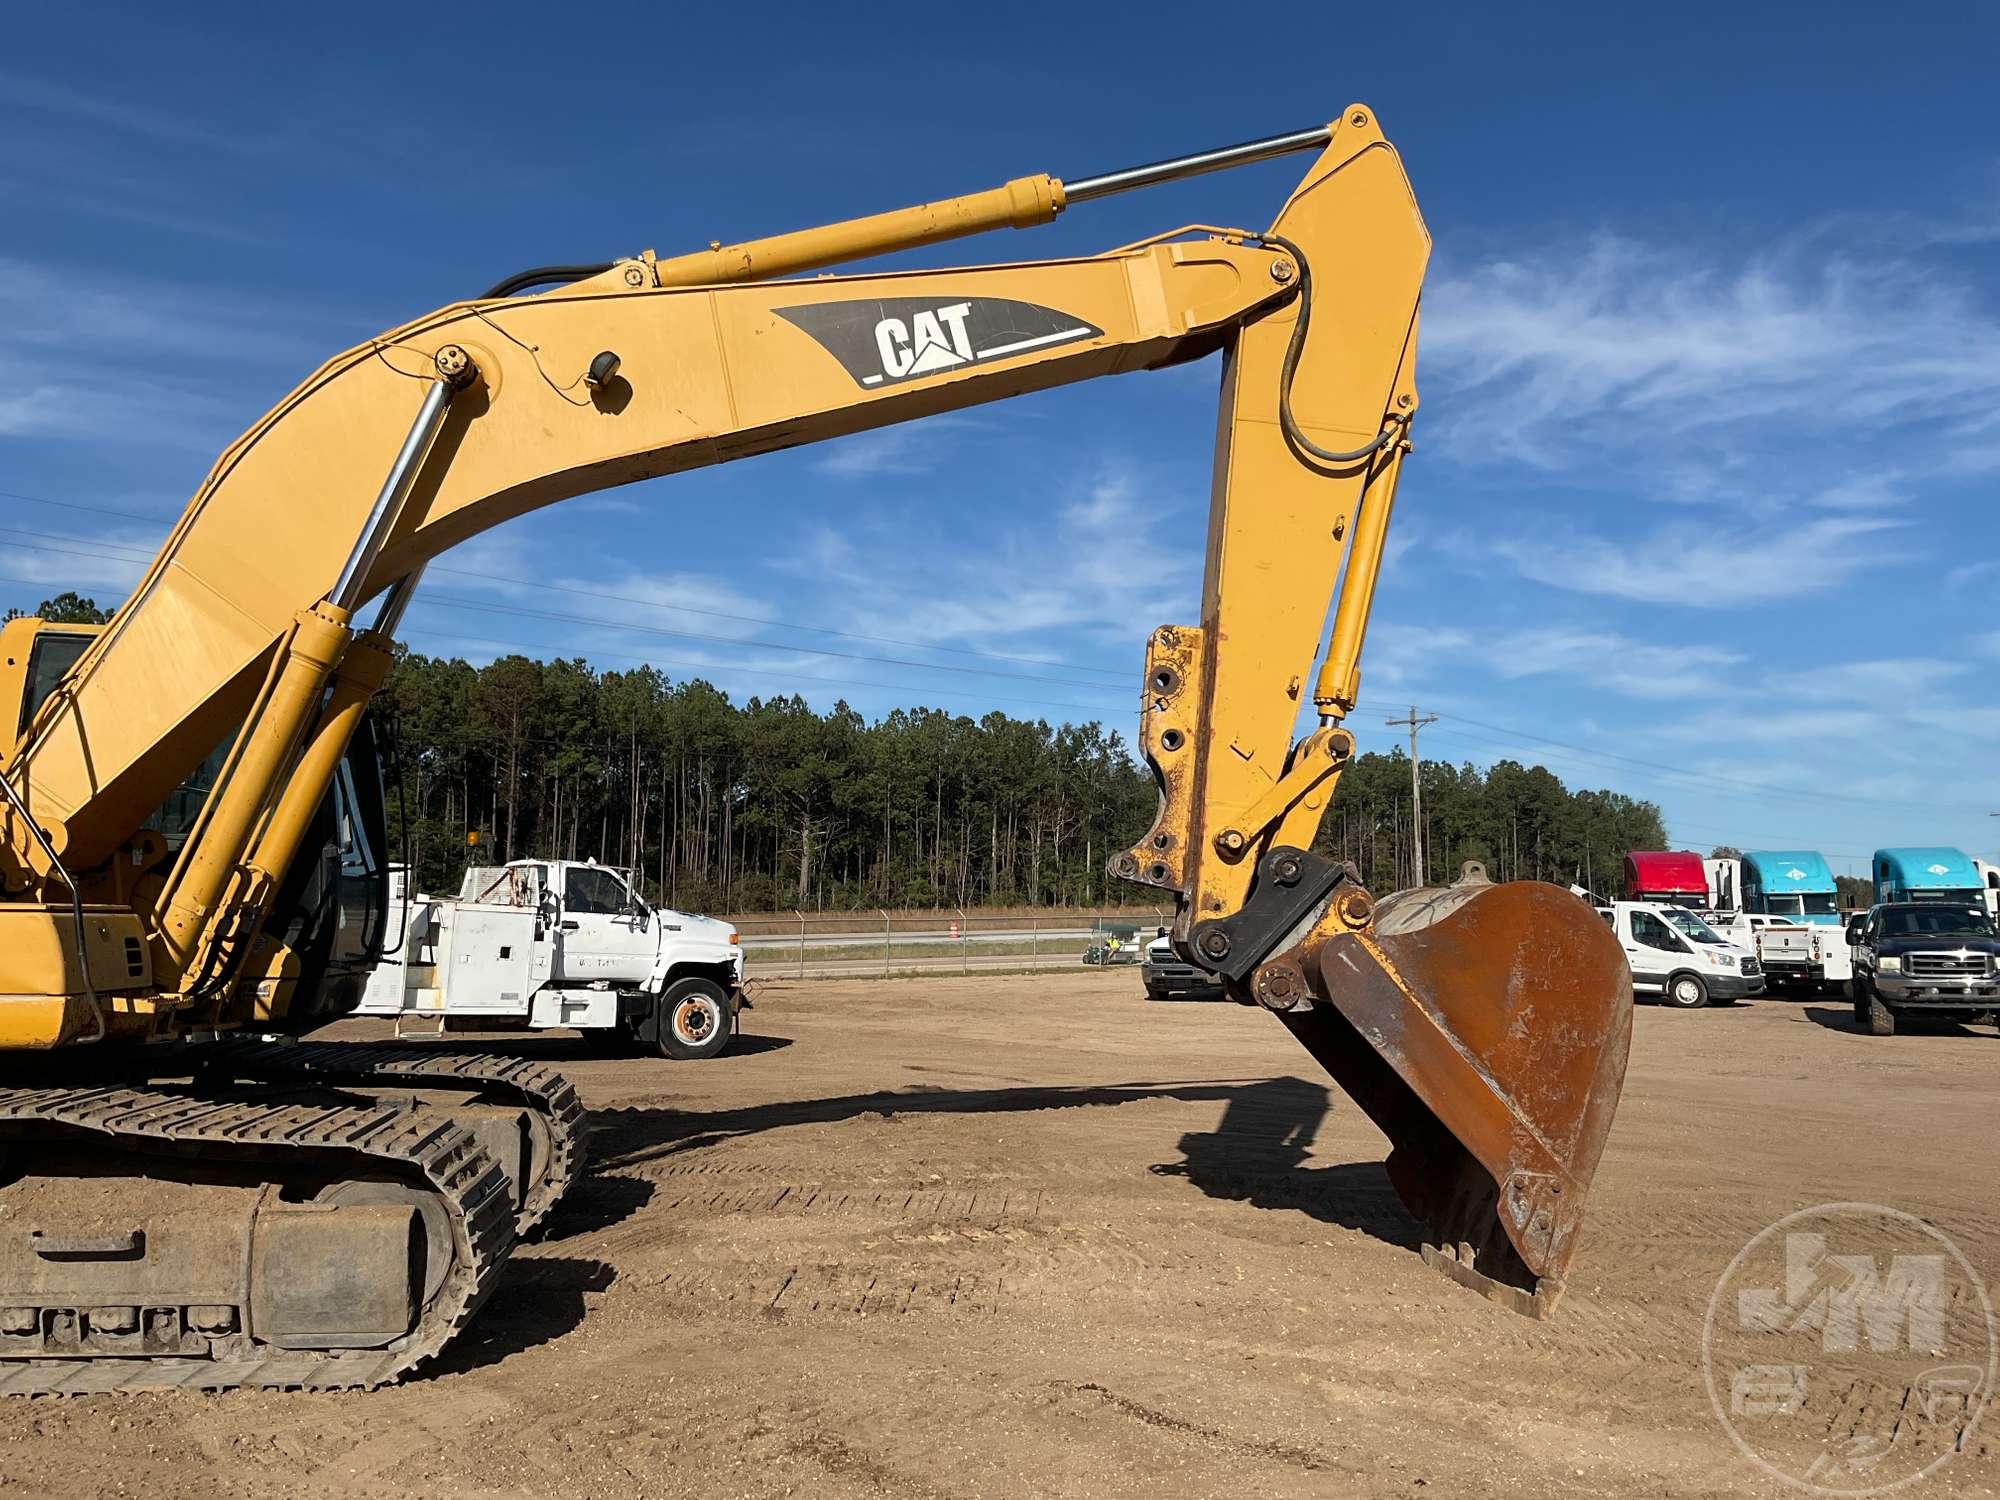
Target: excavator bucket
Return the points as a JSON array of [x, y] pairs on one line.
[[1484, 1028]]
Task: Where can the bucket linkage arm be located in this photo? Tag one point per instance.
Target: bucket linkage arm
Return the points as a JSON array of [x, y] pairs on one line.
[[1483, 1030]]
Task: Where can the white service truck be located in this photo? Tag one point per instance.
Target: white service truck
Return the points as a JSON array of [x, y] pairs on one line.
[[1791, 952], [546, 943], [1680, 958]]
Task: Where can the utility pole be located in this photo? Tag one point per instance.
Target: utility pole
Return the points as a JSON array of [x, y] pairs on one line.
[[1413, 724]]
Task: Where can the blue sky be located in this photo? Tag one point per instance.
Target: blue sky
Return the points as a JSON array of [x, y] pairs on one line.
[[1703, 503]]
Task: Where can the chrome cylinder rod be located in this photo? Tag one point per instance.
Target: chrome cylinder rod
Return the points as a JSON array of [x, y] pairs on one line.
[[389, 503], [1103, 186], [396, 599]]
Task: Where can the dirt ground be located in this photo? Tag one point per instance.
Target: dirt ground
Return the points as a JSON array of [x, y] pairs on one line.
[[1030, 1235]]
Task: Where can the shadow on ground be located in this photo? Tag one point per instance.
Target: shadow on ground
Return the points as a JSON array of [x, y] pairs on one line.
[[557, 1050], [1906, 1025], [597, 1202], [1256, 1153], [538, 1299]]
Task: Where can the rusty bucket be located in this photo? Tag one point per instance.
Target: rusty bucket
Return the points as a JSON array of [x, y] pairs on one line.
[[1484, 1028]]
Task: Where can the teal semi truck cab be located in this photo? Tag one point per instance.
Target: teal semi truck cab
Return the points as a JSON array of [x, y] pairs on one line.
[[1927, 875], [1793, 883]]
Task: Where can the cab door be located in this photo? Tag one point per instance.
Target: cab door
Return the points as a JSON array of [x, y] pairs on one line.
[[604, 932], [1652, 948]]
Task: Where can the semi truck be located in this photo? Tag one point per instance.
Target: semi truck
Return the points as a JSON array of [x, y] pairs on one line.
[[1787, 910], [1675, 876], [1929, 874], [1793, 883]]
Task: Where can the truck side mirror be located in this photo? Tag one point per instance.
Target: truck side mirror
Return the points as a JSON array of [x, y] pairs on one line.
[[1853, 934]]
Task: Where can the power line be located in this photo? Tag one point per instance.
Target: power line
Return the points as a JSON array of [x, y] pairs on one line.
[[95, 510], [1416, 788]]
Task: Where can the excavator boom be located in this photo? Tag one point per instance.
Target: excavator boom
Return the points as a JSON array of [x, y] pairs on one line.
[[1484, 1031]]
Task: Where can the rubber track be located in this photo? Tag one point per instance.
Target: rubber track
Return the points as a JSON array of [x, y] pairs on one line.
[[426, 1143], [537, 1087]]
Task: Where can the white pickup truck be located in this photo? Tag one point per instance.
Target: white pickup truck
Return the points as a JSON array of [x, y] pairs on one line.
[[1680, 958], [1791, 952], [548, 943]]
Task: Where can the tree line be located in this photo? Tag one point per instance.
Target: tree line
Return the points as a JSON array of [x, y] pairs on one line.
[[773, 805]]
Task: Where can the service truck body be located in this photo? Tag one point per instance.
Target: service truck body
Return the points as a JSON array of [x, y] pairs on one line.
[[561, 943], [1789, 914]]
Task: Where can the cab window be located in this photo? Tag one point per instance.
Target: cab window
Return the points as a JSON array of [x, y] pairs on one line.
[[54, 653], [1650, 930], [596, 893]]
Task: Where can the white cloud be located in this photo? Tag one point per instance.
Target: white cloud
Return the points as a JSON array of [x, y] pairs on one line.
[[1868, 492], [1716, 565], [1618, 344], [131, 361], [1400, 656], [1108, 563], [1397, 655], [893, 450], [1898, 681], [1614, 662], [1969, 573], [904, 449]]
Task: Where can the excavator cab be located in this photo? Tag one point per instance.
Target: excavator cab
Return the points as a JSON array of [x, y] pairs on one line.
[[34, 656], [327, 917], [330, 915]]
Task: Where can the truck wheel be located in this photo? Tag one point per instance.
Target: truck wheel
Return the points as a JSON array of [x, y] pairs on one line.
[[1686, 992], [693, 1019], [1881, 1019]]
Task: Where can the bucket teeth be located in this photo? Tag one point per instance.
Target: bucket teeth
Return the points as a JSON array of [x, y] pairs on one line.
[[1489, 1046]]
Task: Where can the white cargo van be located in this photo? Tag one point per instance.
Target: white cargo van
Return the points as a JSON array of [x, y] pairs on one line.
[[1680, 958]]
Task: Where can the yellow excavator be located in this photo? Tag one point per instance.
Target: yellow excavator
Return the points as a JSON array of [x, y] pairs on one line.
[[191, 815]]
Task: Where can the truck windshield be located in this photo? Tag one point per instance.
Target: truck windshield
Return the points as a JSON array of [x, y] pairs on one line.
[[1692, 926], [1821, 904], [1785, 906], [1936, 921]]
